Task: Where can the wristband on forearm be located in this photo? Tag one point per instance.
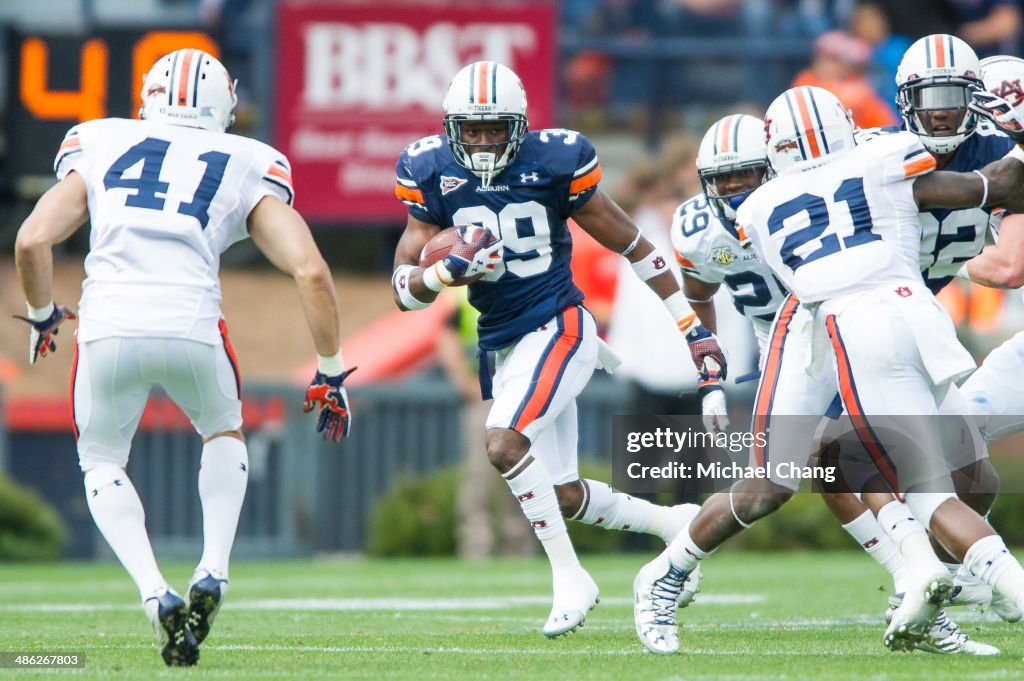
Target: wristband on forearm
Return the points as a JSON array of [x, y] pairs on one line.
[[681, 311], [436, 277], [330, 366], [401, 281]]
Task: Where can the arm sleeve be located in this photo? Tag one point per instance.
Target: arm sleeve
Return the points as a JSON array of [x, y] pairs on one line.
[[409, 189], [682, 251], [276, 179], [902, 156], [586, 175], [71, 154]]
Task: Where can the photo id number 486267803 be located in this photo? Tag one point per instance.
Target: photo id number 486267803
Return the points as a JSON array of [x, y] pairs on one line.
[[41, 660]]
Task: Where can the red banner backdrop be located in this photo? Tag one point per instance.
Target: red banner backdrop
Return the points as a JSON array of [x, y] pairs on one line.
[[358, 81]]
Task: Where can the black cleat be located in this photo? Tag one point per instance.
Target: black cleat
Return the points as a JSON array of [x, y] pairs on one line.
[[169, 615], [205, 594]]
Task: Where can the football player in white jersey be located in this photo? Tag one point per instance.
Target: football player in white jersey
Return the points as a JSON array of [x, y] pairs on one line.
[[166, 195], [539, 343], [733, 161], [993, 392], [848, 251]]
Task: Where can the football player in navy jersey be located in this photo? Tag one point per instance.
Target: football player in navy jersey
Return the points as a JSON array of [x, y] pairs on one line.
[[936, 79], [539, 344]]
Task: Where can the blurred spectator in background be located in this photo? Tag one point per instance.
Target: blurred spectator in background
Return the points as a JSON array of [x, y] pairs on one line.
[[655, 370], [654, 365], [915, 19], [838, 65], [989, 26], [796, 18], [870, 24], [594, 269], [489, 518]]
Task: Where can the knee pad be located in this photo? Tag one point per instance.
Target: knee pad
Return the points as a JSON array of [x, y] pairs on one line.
[[923, 504], [92, 456]]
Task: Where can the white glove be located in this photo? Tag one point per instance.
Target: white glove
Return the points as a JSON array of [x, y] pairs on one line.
[[486, 259], [716, 415], [1008, 118]]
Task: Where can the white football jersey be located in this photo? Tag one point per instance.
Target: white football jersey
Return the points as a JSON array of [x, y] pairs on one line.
[[164, 202], [949, 238], [712, 251], [845, 226]]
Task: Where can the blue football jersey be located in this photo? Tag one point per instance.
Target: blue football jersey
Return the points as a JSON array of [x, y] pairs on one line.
[[950, 238], [554, 173]]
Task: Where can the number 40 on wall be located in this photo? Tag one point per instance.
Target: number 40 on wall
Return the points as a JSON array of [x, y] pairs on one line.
[[91, 99]]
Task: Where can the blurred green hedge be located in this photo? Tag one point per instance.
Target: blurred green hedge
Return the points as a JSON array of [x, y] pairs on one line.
[[30, 529], [417, 518]]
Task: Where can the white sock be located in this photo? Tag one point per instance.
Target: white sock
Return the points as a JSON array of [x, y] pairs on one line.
[[614, 510], [532, 487], [909, 536], [223, 475], [990, 561], [869, 534], [683, 553], [117, 511]]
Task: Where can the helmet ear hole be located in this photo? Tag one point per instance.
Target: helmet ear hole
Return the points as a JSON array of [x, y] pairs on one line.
[[732, 152]]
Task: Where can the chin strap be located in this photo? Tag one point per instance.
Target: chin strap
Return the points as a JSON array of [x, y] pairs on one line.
[[486, 160]]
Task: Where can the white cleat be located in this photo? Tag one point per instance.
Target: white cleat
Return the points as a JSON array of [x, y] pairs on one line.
[[912, 621], [945, 636], [971, 591], [656, 592], [576, 594], [682, 515], [1007, 610], [691, 587], [968, 590]]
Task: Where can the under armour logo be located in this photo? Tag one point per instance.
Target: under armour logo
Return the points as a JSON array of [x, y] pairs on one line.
[[659, 263], [525, 497], [539, 524], [904, 292], [532, 177], [401, 281], [869, 543], [115, 483]]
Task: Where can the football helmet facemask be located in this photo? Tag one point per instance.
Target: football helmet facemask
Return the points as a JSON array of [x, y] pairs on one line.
[[804, 125], [189, 87], [732, 162], [485, 91], [936, 76]]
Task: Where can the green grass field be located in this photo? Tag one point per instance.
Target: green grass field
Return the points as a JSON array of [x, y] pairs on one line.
[[759, 616]]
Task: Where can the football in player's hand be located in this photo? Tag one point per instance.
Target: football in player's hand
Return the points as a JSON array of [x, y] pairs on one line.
[[462, 241]]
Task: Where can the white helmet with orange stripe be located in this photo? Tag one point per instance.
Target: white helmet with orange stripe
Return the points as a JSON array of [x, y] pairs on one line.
[[936, 77], [804, 125], [485, 91], [732, 161], [1003, 76], [189, 87]]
